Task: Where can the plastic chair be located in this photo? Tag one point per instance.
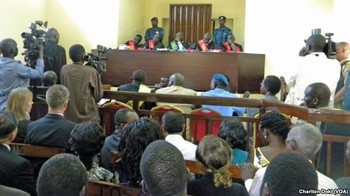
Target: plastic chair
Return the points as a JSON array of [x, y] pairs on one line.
[[108, 111], [201, 126], [160, 110]]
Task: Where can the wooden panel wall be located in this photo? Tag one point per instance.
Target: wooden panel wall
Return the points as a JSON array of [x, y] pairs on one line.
[[192, 19]]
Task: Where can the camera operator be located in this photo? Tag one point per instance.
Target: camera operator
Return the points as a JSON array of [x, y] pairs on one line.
[[13, 73], [54, 54], [84, 85]]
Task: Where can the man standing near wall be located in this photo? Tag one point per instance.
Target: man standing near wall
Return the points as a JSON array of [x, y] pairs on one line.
[[221, 33], [154, 30], [54, 54]]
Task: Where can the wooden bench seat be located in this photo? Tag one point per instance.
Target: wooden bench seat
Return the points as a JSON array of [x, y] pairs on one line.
[[100, 188]]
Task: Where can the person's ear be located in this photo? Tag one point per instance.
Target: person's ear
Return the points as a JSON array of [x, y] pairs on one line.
[[316, 101], [292, 145], [82, 191], [13, 135]]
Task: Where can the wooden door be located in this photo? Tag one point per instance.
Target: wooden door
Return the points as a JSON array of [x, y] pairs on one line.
[[192, 19]]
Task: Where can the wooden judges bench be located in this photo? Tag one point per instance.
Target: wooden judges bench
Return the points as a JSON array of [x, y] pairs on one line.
[[246, 71]]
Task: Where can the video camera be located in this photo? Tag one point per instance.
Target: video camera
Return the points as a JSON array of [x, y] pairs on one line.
[[97, 61], [330, 48], [32, 40]]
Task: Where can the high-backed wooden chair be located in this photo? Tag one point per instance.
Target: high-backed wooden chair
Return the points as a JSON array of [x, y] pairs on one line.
[[100, 188], [201, 125], [158, 111], [108, 111], [197, 168]]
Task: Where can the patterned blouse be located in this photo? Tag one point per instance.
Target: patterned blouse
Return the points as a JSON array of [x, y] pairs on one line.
[[97, 173]]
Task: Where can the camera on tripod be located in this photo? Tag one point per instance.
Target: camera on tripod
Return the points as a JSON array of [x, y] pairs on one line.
[[32, 41], [97, 61], [330, 48]]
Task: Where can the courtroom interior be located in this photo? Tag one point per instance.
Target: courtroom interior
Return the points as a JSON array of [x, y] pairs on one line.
[[237, 86]]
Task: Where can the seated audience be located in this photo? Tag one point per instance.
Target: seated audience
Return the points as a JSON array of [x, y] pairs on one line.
[[15, 171], [163, 171], [234, 133], [85, 87], [179, 43], [344, 182], [174, 125], [306, 139], [138, 79], [121, 118], [155, 42], [49, 78], [269, 87], [317, 95], [231, 46], [176, 86], [137, 135], [289, 174], [164, 81], [53, 129], [20, 103], [205, 44], [86, 141], [136, 43], [216, 157], [62, 175], [218, 85]]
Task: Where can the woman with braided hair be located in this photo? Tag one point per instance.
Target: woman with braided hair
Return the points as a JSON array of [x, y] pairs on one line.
[[215, 155], [86, 141], [273, 131]]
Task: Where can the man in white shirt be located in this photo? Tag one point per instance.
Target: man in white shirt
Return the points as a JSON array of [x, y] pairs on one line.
[[174, 125], [314, 67]]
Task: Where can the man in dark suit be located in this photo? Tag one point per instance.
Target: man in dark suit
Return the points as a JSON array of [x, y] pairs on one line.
[[15, 171], [53, 129], [121, 118]]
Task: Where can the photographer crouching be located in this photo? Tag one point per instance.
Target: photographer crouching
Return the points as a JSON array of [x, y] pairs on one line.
[[14, 74]]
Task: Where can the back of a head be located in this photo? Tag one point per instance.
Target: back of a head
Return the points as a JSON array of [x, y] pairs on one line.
[[215, 154], [316, 43], [288, 174], [124, 115], [306, 137], [163, 170], [56, 96], [18, 101], [276, 123], [62, 175], [173, 122], [273, 83], [8, 124], [8, 47], [220, 80], [49, 78], [52, 35], [76, 53], [234, 133], [139, 76], [319, 91], [86, 140], [137, 136], [177, 79]]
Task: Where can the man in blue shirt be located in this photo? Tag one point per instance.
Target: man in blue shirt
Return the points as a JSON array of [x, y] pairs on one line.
[[221, 33], [219, 85], [154, 30], [14, 74]]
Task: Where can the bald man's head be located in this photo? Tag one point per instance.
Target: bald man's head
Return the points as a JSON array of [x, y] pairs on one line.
[[176, 79], [52, 35]]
